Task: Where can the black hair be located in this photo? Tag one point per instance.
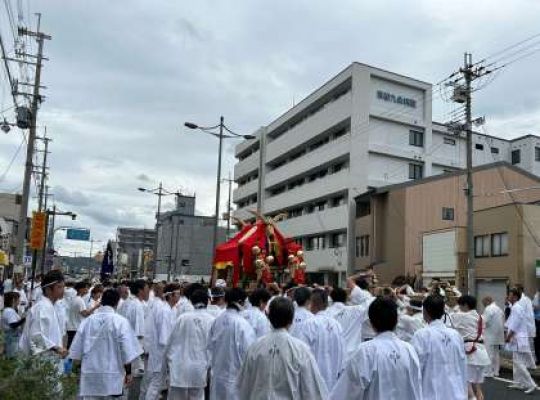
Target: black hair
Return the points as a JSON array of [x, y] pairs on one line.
[[467, 300], [338, 295], [319, 297], [9, 298], [170, 288], [235, 295], [516, 292], [51, 278], [383, 314], [434, 306], [80, 285], [259, 296], [110, 297], [136, 286], [362, 283], [188, 291], [302, 296], [199, 296], [281, 312]]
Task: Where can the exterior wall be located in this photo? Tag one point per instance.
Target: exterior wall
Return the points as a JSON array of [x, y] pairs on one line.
[[9, 217], [530, 236], [134, 242]]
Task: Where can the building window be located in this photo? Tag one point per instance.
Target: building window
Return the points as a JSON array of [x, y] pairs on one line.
[[185, 263], [338, 201], [363, 208], [416, 171], [316, 243], [357, 247], [295, 212], [320, 205], [362, 246], [337, 239], [537, 153], [416, 138], [180, 222], [449, 141], [494, 150], [447, 214], [516, 156], [479, 146], [481, 246], [499, 244]]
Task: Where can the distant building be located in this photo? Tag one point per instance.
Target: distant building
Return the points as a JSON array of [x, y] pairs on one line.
[[134, 247], [185, 242], [418, 229], [9, 222]]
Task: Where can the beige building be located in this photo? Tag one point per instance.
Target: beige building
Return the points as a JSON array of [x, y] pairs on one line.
[[417, 228]]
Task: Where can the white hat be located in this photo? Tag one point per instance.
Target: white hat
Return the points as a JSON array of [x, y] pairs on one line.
[[221, 283]]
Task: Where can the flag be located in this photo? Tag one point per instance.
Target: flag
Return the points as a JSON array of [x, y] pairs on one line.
[[107, 266]]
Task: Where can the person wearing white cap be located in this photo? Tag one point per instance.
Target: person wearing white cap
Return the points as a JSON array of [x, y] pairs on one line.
[[217, 298], [410, 321], [221, 283]]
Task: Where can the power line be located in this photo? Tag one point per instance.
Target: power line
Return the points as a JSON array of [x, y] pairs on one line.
[[8, 168]]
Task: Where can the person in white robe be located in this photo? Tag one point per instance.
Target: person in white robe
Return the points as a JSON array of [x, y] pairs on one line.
[[255, 315], [470, 326], [383, 368], [441, 354], [186, 355], [350, 318], [134, 310], [494, 334], [77, 311], [42, 333], [106, 346], [217, 302], [528, 308], [229, 338], [301, 297], [23, 298], [517, 339], [359, 293], [12, 324], [324, 336], [184, 304], [410, 321], [279, 366]]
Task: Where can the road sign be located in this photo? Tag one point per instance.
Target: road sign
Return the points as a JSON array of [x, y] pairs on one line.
[[27, 260], [78, 234], [37, 234]]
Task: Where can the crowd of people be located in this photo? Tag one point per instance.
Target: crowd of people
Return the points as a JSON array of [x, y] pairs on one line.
[[189, 341]]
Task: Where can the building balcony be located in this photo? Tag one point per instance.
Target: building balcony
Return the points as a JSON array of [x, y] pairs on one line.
[[322, 155], [330, 219], [322, 187], [246, 144], [246, 166], [333, 259], [249, 189], [332, 114]]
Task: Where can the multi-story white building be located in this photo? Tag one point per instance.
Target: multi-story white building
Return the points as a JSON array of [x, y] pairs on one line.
[[366, 127]]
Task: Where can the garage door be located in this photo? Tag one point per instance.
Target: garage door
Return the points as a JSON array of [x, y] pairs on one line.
[[495, 288]]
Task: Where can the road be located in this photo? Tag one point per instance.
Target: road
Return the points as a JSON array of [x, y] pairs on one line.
[[496, 389]]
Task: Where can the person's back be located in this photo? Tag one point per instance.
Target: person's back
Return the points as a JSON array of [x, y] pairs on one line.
[[229, 338], [383, 368], [441, 354], [279, 366]]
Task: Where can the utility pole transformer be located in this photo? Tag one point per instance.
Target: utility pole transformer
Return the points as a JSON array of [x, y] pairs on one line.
[[36, 100]]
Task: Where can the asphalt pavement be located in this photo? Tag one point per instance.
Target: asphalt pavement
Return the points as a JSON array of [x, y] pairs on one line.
[[497, 389]]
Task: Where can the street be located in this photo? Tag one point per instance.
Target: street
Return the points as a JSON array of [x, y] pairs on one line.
[[497, 389]]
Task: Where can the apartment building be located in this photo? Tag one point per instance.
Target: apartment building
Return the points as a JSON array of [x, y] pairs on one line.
[[364, 128], [418, 228]]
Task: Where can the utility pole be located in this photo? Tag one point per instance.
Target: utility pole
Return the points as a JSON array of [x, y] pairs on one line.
[[218, 184], [158, 216], [36, 100], [230, 182], [42, 197]]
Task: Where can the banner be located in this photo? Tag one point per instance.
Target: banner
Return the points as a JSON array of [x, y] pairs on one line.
[[107, 265], [37, 233]]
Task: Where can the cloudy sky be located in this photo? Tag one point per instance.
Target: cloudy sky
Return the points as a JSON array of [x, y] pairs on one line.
[[124, 76]]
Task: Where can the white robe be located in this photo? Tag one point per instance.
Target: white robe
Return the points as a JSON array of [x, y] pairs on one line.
[[517, 323], [494, 320], [300, 315], [160, 325], [258, 321], [186, 354], [42, 329], [134, 311], [183, 306], [75, 306], [351, 319], [408, 325], [214, 310], [385, 368], [466, 323], [360, 296], [528, 312], [279, 366], [324, 336], [105, 343], [230, 336], [443, 362]]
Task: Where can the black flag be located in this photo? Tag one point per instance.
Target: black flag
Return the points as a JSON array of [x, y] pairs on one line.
[[107, 266]]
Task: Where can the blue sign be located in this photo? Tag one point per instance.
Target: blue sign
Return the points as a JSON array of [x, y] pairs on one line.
[[78, 234]]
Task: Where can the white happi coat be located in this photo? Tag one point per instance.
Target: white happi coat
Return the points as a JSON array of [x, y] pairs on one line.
[[214, 310], [300, 315], [383, 368], [258, 321], [360, 296], [408, 325], [160, 323], [104, 343], [186, 354], [134, 311], [42, 329], [75, 307], [324, 336], [183, 306], [528, 313], [280, 367], [466, 323], [494, 320], [230, 336], [443, 362], [517, 323], [351, 319]]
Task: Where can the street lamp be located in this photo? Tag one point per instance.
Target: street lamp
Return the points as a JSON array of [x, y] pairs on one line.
[[220, 136], [160, 192]]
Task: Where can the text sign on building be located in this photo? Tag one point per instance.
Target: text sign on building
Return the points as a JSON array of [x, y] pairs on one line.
[[37, 233], [392, 98], [78, 234]]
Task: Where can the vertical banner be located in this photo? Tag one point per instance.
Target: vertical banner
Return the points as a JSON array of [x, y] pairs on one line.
[[37, 233], [107, 265]]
